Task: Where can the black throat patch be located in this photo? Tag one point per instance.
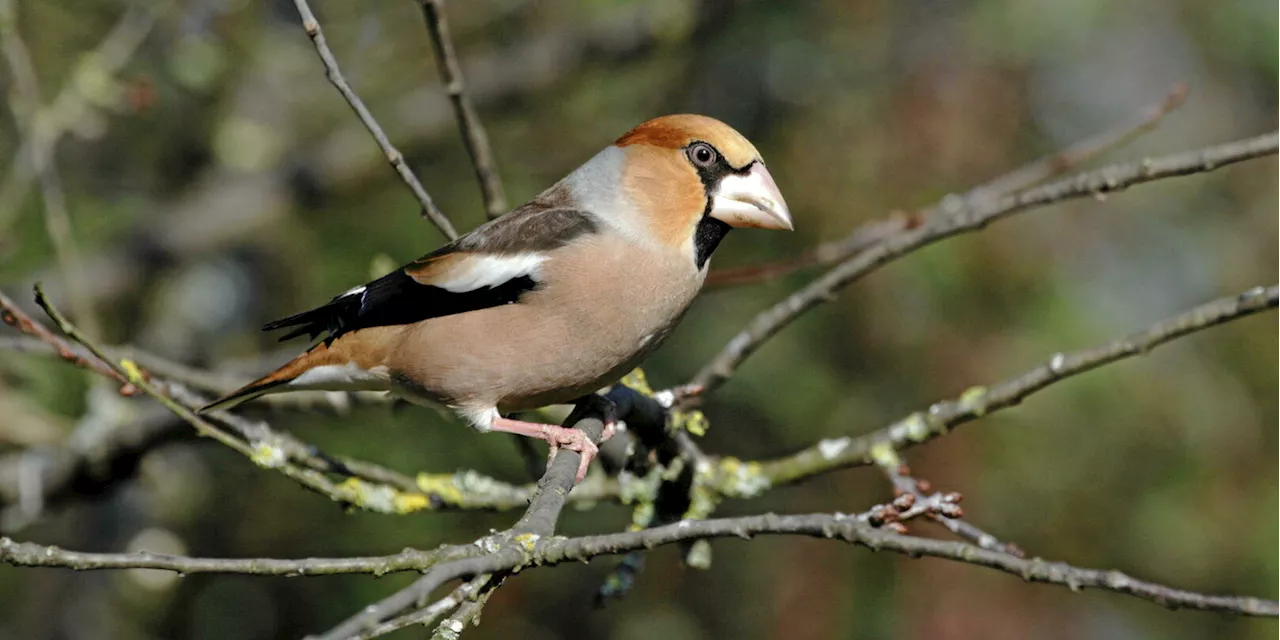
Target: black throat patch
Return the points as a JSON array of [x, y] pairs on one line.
[[710, 231], [706, 238]]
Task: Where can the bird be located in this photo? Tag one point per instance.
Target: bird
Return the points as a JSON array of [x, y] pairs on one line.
[[552, 301]]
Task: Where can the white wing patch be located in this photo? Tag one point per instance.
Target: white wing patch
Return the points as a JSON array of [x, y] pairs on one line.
[[355, 291], [490, 271], [343, 377]]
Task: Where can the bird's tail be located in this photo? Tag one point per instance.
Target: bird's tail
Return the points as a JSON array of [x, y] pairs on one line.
[[354, 362]]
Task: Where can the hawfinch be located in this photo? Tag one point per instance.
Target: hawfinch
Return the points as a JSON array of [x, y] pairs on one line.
[[551, 301]]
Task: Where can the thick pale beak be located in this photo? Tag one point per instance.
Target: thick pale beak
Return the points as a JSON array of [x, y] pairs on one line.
[[751, 200]]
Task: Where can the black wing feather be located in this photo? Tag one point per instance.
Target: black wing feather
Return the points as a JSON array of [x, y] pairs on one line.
[[397, 298]]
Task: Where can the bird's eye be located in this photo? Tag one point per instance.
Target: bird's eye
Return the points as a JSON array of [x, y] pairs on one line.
[[702, 155]]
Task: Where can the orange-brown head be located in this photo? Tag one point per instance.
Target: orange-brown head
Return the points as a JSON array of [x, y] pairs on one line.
[[685, 180], [697, 151]]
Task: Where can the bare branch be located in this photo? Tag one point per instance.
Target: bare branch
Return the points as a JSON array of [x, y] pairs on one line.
[[462, 560], [863, 237], [907, 486], [1028, 175], [468, 613], [26, 554], [1085, 150], [394, 157], [473, 132], [538, 522], [460, 597], [956, 215], [264, 453], [13, 315], [469, 490], [389, 491], [852, 529], [940, 418]]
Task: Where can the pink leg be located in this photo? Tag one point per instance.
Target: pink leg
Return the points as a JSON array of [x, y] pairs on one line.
[[556, 436]]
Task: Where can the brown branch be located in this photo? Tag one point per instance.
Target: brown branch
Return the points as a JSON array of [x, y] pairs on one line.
[[13, 315], [26, 554], [62, 469], [868, 234], [461, 597], [821, 458], [545, 61], [474, 135], [940, 418], [865, 236], [539, 551], [450, 563], [916, 489], [531, 549], [468, 613], [956, 215], [538, 522], [394, 157], [1081, 152], [267, 449]]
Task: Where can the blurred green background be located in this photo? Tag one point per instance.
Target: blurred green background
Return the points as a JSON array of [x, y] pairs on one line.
[[218, 182]]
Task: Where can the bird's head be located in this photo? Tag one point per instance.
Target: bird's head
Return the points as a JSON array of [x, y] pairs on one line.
[[686, 180]]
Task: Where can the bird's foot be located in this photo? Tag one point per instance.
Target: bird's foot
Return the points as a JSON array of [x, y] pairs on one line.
[[573, 440], [555, 436], [610, 430]]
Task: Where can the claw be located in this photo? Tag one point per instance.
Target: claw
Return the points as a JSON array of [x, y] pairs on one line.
[[555, 436]]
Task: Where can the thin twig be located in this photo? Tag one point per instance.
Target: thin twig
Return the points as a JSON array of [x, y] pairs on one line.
[[904, 484], [940, 418], [13, 315], [391, 491], [833, 453], [263, 453], [474, 135], [394, 157], [461, 560], [852, 529], [863, 237], [464, 489], [956, 215], [57, 221], [468, 613], [26, 554], [428, 614], [868, 234], [1081, 152]]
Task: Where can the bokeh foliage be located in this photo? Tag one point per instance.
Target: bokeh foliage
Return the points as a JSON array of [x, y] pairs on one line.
[[220, 182]]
